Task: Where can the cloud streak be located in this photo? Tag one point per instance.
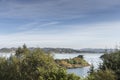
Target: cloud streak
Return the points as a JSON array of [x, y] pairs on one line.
[[99, 36], [60, 23], [62, 9]]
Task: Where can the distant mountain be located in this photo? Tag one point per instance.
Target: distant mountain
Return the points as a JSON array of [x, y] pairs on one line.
[[7, 50], [97, 50], [69, 50], [62, 50]]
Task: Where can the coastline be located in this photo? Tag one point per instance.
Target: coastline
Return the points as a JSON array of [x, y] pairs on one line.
[[76, 62]]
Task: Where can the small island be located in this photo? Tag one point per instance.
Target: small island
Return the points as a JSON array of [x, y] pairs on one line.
[[76, 62]]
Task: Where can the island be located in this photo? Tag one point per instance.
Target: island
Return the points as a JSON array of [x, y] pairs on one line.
[[76, 62]]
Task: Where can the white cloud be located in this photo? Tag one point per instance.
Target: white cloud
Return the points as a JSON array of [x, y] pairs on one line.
[[98, 35]]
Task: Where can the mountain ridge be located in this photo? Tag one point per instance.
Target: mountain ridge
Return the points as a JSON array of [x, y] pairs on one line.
[[63, 50]]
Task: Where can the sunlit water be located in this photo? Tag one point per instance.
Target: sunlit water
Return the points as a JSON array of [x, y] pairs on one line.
[[91, 58], [6, 55]]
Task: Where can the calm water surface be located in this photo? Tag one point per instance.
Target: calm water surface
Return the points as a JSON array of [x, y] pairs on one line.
[[91, 58]]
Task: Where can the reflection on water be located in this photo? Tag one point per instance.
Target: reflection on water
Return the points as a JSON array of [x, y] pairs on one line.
[[91, 58]]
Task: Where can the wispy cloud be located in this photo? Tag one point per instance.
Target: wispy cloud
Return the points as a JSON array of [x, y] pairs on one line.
[[37, 27], [100, 35], [62, 9], [60, 23], [27, 26]]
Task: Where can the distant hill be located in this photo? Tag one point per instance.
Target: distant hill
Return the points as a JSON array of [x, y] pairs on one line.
[[62, 50], [97, 50], [7, 50]]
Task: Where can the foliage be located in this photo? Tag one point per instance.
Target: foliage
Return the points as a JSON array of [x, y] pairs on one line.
[[102, 75], [22, 51], [32, 65], [112, 61], [80, 56], [72, 63], [109, 70]]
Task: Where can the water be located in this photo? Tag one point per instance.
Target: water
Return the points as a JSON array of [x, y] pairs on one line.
[[91, 58], [6, 55]]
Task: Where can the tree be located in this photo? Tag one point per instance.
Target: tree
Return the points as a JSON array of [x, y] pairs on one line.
[[22, 51], [112, 61], [102, 75], [32, 65], [108, 70]]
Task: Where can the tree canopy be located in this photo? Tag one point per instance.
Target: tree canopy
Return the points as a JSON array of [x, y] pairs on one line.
[[32, 65]]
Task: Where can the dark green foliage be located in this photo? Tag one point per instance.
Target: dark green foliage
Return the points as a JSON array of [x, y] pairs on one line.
[[80, 56], [102, 75], [112, 61], [109, 70], [32, 65], [22, 51]]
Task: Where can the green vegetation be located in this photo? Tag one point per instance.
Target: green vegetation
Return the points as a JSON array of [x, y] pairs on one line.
[[112, 62], [76, 62], [37, 65], [101, 75], [109, 70], [32, 65]]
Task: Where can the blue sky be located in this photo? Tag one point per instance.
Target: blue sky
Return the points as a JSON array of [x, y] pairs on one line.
[[60, 23]]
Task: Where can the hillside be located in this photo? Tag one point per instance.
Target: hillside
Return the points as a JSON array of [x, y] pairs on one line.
[[61, 50]]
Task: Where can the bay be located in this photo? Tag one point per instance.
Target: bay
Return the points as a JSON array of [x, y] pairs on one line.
[[91, 58]]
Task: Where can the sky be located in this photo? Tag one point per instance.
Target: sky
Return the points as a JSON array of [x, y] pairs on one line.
[[60, 23]]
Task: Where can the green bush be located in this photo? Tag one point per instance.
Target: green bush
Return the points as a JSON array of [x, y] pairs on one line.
[[102, 75], [112, 61]]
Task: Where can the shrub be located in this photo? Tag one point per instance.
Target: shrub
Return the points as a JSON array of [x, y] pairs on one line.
[[102, 75], [112, 61]]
